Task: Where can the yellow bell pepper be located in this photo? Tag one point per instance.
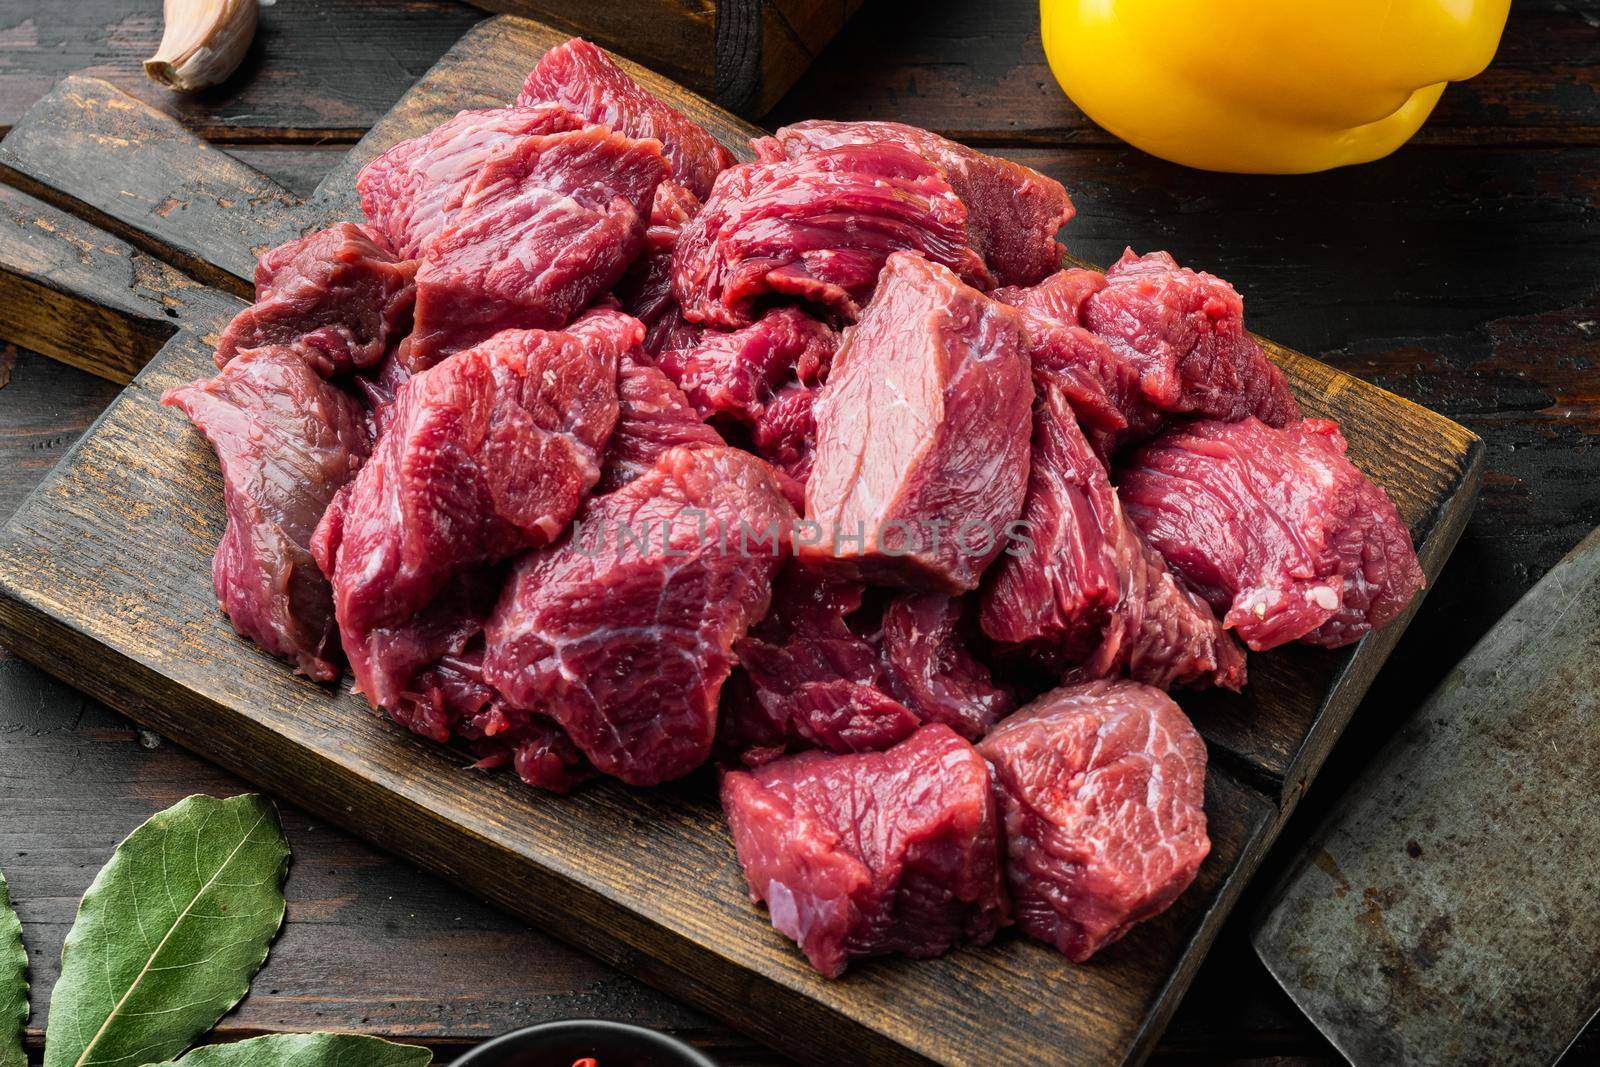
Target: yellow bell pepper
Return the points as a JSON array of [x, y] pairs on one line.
[[1266, 86]]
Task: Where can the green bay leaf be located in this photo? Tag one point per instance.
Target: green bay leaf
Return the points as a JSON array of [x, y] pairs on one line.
[[306, 1050], [170, 933], [13, 983]]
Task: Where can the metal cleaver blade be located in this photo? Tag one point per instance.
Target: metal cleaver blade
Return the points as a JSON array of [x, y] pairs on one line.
[[1448, 910]]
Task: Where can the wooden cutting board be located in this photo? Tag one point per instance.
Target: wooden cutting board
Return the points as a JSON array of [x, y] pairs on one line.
[[126, 244], [742, 54]]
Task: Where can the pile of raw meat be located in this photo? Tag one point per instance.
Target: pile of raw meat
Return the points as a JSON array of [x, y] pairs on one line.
[[596, 452]]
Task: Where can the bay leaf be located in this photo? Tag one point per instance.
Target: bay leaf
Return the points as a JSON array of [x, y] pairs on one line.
[[13, 983], [170, 933], [306, 1050]]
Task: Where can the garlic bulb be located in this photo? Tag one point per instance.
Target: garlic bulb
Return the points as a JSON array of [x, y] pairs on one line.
[[202, 43]]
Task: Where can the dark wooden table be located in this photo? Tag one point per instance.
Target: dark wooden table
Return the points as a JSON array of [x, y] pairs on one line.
[[1463, 272]]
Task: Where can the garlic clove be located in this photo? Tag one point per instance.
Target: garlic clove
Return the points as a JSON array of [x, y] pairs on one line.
[[203, 42]]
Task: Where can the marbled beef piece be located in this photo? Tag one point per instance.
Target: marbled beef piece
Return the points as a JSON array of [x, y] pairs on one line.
[[732, 375], [646, 289], [785, 435], [411, 191], [1166, 341], [586, 81], [1084, 595], [812, 675], [922, 434], [817, 229], [832, 668], [1101, 787], [340, 292], [1184, 332], [652, 416], [549, 223], [624, 633], [872, 854], [1274, 527], [487, 454], [1013, 212], [287, 440], [450, 697], [931, 669]]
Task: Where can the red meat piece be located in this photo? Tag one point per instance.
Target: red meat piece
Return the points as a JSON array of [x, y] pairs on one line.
[[932, 670], [827, 670], [1184, 333], [624, 633], [922, 434], [287, 440], [646, 289], [487, 454], [411, 191], [1084, 592], [340, 293], [817, 229], [1102, 788], [450, 696], [871, 854], [1013, 212], [586, 81], [652, 416], [1276, 528], [735, 374], [785, 435], [809, 678], [548, 224]]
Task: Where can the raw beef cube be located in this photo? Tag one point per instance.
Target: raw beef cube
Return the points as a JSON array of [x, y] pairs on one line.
[[812, 675], [652, 417], [646, 289], [287, 440], [1102, 788], [624, 633], [410, 192], [872, 854], [340, 292], [586, 81], [487, 454], [1013, 212], [932, 670], [922, 434], [1276, 528], [379, 387], [786, 433], [1166, 341], [735, 374], [817, 229], [1061, 296], [450, 696], [548, 224], [1083, 593], [1184, 333]]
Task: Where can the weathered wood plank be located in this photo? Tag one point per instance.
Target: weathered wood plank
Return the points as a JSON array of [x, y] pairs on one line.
[[90, 148], [320, 71], [77, 294]]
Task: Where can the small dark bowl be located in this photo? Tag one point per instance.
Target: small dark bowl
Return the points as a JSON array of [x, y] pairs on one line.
[[561, 1044]]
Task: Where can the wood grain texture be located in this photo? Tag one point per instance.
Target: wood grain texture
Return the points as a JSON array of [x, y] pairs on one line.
[[125, 610], [92, 149]]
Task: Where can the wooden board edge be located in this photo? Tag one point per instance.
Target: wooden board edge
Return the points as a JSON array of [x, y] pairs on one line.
[[610, 932]]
